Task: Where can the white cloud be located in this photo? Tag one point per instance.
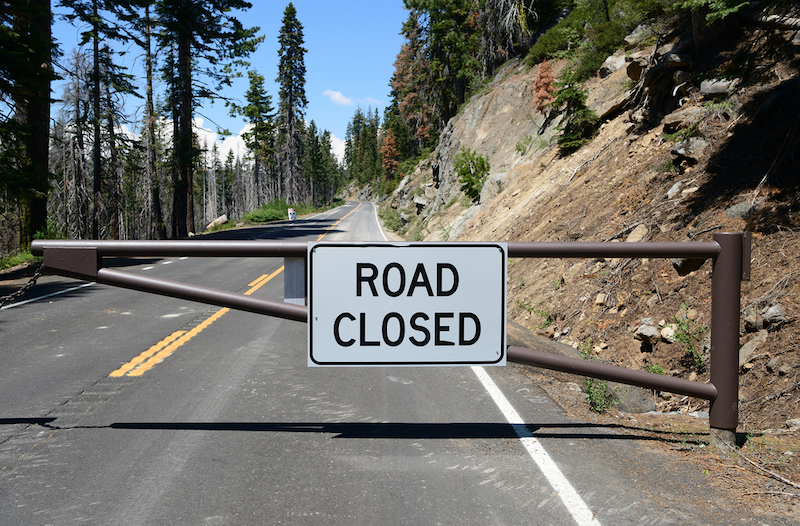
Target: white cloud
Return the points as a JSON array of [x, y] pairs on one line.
[[337, 98], [370, 102], [337, 145]]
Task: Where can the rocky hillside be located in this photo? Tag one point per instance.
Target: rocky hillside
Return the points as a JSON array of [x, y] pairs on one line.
[[683, 151]]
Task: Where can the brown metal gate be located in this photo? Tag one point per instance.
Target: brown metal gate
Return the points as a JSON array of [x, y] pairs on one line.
[[730, 253]]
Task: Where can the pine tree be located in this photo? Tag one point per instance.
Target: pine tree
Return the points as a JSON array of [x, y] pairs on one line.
[[389, 154], [195, 32], [25, 75], [260, 138], [543, 88], [292, 80]]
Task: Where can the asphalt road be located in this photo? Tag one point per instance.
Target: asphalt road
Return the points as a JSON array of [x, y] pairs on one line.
[[119, 407]]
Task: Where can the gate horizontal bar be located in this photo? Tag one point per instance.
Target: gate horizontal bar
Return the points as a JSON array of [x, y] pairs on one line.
[[605, 371], [199, 248], [209, 248], [175, 289], [698, 250]]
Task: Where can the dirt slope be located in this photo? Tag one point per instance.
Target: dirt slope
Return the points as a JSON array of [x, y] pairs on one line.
[[713, 163]]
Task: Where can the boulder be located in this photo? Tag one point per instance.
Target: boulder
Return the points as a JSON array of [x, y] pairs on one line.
[[673, 60], [774, 315], [420, 202], [629, 398], [638, 234], [494, 184], [668, 334], [648, 334], [613, 63], [641, 33], [635, 68], [675, 190], [717, 87], [692, 147], [685, 266], [683, 118], [753, 321], [742, 210], [750, 347]]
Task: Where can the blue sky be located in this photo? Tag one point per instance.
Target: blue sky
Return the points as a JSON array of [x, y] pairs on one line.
[[352, 45]]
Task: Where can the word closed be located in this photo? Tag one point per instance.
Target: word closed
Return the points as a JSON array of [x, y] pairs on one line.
[[406, 304]]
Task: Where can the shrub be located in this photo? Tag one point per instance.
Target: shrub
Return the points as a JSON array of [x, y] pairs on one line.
[[580, 123], [472, 169]]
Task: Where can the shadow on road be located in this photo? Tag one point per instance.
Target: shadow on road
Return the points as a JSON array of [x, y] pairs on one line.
[[400, 430]]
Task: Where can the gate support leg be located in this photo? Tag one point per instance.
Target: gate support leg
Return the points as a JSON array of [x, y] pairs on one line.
[[725, 306], [294, 281]]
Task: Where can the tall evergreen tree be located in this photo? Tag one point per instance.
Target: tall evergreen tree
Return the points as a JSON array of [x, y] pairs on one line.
[[198, 32], [25, 75], [292, 81], [260, 137]]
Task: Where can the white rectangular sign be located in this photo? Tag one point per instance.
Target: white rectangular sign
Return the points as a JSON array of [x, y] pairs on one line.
[[401, 304]]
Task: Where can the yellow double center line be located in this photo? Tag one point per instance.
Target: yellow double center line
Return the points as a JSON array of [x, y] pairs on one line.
[[158, 352], [328, 231]]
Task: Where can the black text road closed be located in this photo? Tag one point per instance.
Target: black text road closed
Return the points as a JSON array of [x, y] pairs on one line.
[[406, 304]]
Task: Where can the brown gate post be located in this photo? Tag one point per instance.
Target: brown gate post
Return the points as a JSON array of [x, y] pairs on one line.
[[725, 305]]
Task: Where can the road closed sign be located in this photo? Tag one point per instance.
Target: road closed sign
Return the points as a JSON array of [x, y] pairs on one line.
[[418, 304]]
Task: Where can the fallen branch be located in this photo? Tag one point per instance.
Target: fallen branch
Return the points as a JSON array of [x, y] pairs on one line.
[[590, 160], [772, 493], [781, 22], [695, 234], [768, 472]]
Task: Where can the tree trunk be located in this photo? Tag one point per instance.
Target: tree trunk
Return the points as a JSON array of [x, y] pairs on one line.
[[33, 110], [184, 217], [96, 159], [158, 229], [113, 168]]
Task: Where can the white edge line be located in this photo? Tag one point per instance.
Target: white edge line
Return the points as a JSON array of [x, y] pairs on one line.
[[574, 503], [375, 208], [48, 295]]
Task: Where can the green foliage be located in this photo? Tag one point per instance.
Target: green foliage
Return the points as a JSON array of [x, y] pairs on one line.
[[50, 231], [717, 9], [388, 186], [597, 395], [691, 335], [544, 313], [416, 233], [565, 35], [391, 219], [579, 123], [654, 368], [18, 259], [472, 169], [585, 348], [596, 391], [685, 133], [592, 31], [721, 105], [524, 144], [362, 153], [276, 210], [668, 167]]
